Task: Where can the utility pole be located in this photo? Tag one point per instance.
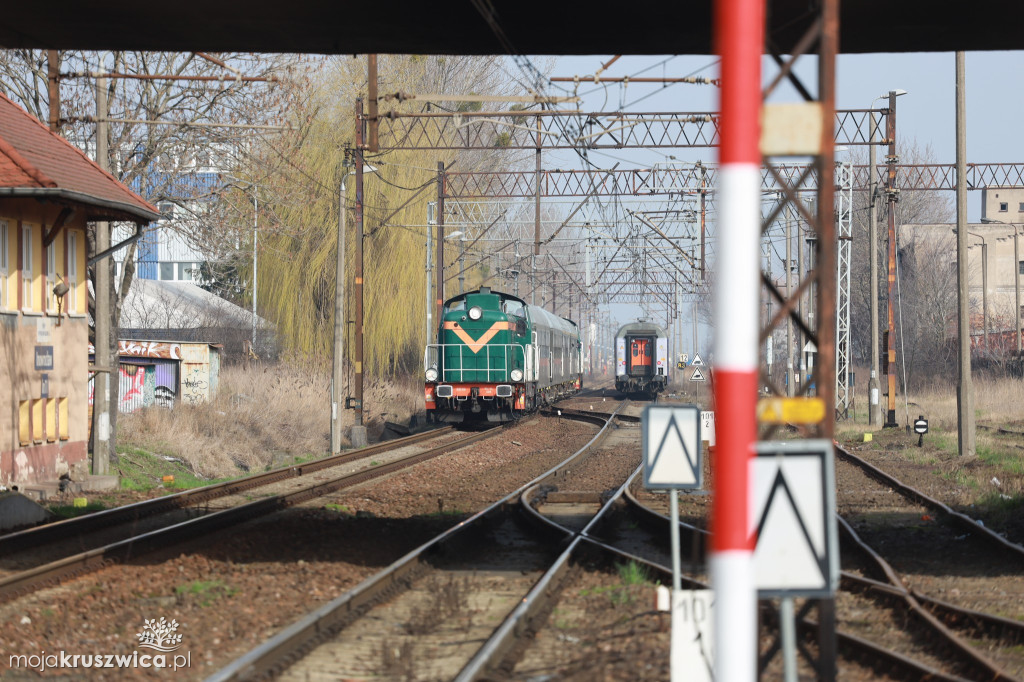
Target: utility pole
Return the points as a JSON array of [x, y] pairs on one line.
[[703, 218], [338, 368], [801, 355], [874, 408], [371, 95], [462, 264], [358, 434], [965, 390], [554, 305], [255, 262], [53, 88], [440, 241], [890, 189], [429, 285], [984, 289], [536, 221], [1016, 289], [790, 341], [103, 438]]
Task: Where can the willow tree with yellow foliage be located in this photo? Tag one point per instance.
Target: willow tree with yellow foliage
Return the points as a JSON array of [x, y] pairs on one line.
[[299, 202]]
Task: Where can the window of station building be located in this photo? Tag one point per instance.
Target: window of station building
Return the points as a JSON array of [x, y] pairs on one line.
[[1020, 267], [51, 277], [5, 262], [72, 273], [26, 268], [1004, 207], [1020, 207], [167, 271], [37, 419]]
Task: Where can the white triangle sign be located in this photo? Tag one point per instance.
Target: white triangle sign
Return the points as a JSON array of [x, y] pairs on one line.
[[697, 375], [697, 362], [671, 447], [784, 558], [793, 501]]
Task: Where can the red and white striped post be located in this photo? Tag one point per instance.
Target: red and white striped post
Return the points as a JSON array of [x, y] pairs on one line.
[[739, 39]]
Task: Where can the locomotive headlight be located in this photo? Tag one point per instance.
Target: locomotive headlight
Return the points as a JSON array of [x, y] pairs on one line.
[[475, 313], [431, 373], [516, 375]]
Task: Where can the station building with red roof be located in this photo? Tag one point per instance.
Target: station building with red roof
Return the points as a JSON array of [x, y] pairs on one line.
[[49, 192]]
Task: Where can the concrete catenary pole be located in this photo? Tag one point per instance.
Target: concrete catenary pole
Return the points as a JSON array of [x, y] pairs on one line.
[[984, 289], [338, 366], [536, 221], [801, 271], [255, 262], [739, 36], [53, 89], [439, 261], [874, 407], [358, 434], [1016, 290], [790, 340], [965, 389], [103, 439], [890, 189]]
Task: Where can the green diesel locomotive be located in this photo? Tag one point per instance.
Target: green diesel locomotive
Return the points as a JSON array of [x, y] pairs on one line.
[[497, 358]]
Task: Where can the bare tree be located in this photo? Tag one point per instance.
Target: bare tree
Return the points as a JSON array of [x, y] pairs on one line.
[[912, 207]]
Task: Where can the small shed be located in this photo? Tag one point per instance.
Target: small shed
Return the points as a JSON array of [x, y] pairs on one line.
[[164, 372]]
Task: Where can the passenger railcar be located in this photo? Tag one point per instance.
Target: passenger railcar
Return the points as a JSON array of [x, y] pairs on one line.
[[497, 358], [641, 359]]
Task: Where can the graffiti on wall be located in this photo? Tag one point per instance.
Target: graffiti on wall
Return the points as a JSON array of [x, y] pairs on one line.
[[195, 383], [149, 349], [136, 386], [133, 388], [146, 349]]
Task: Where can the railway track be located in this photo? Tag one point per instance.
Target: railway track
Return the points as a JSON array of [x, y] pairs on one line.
[[489, 569], [131, 542], [948, 641], [1000, 430], [11, 543]]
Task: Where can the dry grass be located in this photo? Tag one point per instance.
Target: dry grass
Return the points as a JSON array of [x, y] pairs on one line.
[[257, 413], [263, 416], [996, 401]]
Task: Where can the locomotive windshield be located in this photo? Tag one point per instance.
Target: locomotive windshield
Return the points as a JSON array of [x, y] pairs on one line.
[[455, 305], [510, 307]]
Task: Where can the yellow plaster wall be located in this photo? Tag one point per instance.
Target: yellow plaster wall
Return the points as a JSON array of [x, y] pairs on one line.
[[20, 334]]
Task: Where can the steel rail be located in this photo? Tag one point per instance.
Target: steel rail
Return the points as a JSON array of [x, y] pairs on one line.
[[572, 412], [905, 667], [94, 559], [911, 598], [1008, 630], [1000, 429], [291, 643], [487, 661], [21, 540], [962, 520], [980, 663]]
